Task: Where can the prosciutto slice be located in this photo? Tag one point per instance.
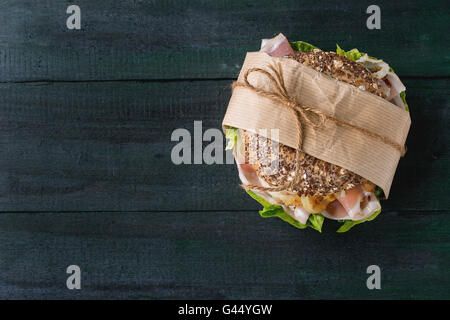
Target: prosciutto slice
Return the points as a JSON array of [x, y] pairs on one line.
[[396, 84], [395, 87], [301, 215], [352, 201], [355, 204], [336, 211], [277, 47]]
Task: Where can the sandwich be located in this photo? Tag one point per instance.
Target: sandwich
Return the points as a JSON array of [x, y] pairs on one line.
[[322, 189]]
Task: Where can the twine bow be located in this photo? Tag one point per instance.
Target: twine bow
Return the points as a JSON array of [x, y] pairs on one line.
[[303, 115]]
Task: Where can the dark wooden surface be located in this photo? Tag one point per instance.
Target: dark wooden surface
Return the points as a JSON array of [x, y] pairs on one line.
[[86, 178]]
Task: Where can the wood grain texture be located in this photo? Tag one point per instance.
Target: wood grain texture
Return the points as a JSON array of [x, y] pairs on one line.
[[86, 178], [107, 146], [207, 39], [221, 255]]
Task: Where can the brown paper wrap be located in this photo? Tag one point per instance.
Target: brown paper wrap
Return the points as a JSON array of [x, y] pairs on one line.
[[348, 148]]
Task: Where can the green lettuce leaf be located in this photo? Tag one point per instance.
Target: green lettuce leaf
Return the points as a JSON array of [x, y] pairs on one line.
[[403, 97], [315, 221], [232, 135], [348, 224], [302, 46], [353, 54]]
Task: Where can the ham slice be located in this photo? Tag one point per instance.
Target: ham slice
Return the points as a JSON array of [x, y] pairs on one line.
[[396, 85], [249, 175], [352, 201], [335, 210], [277, 47], [370, 206], [301, 215], [355, 204]]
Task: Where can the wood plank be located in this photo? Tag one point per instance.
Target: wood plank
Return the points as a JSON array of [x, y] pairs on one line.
[[221, 255], [207, 39], [106, 146]]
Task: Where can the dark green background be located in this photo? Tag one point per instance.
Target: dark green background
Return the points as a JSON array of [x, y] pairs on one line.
[[85, 170]]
